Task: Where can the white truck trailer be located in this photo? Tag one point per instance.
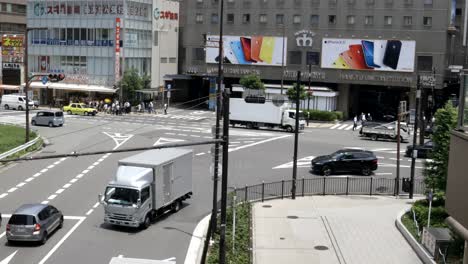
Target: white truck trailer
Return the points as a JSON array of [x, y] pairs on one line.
[[147, 185], [255, 115], [386, 131]]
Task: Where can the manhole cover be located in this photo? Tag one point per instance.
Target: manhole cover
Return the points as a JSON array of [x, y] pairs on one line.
[[282, 238], [321, 248], [292, 217], [266, 206]]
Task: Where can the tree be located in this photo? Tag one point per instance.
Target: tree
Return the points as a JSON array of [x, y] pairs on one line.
[[146, 81], [129, 83], [292, 94], [252, 81], [436, 171]]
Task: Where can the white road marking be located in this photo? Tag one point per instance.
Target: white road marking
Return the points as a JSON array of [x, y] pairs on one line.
[[12, 189], [9, 258], [44, 202], [46, 257], [3, 195], [199, 154], [85, 171], [89, 211], [20, 184], [249, 141], [349, 128], [96, 205], [169, 259], [163, 140], [59, 191], [43, 170], [303, 162], [73, 180], [343, 126], [96, 163], [2, 234], [37, 174], [50, 166], [258, 143], [79, 175], [195, 136], [383, 173], [29, 179], [335, 126], [66, 185], [91, 167], [57, 162], [100, 160], [52, 197]]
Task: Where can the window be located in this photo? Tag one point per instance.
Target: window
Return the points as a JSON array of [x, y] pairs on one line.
[[295, 57], [424, 63], [230, 18], [44, 214], [314, 19], [369, 20], [214, 19], [388, 20], [145, 194], [198, 54], [246, 18], [332, 19], [163, 59], [313, 58], [297, 19], [52, 210], [407, 20], [279, 19], [428, 2], [351, 20], [21, 219], [155, 39], [172, 60], [199, 18], [263, 18], [427, 21]]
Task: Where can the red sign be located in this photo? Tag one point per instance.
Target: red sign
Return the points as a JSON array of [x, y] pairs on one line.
[[117, 49]]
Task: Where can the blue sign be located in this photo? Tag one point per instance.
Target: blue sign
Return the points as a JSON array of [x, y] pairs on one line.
[[44, 79]]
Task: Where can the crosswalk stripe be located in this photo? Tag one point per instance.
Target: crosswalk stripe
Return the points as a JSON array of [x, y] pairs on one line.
[[335, 126], [349, 127], [343, 126]]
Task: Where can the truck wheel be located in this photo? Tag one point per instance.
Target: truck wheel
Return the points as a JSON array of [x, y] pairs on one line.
[[146, 223], [20, 108], [374, 137], [6, 107], [176, 206], [289, 129], [249, 125]]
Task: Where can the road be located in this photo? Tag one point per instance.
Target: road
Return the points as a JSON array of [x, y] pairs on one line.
[[73, 184]]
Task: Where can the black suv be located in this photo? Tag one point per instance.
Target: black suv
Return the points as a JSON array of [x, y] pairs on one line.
[[346, 160]]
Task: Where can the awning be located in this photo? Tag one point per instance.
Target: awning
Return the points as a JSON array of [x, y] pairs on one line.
[[73, 87], [9, 87]]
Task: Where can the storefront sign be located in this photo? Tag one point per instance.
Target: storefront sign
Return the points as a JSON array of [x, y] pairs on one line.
[[89, 8], [58, 42], [304, 38], [314, 75], [427, 81], [375, 78], [12, 42], [117, 49], [12, 48], [166, 15], [44, 63], [8, 65]]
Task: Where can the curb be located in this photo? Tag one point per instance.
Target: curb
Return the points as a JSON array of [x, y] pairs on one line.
[[418, 249], [195, 249]]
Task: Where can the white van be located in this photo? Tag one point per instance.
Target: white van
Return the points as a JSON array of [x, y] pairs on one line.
[[15, 101]]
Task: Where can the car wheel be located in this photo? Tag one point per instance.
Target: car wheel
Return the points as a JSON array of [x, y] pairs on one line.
[[85, 113], [249, 125], [290, 129], [44, 238], [51, 124], [61, 223], [147, 222], [20, 108], [6, 107], [366, 171], [326, 170], [69, 112], [33, 123], [374, 137]]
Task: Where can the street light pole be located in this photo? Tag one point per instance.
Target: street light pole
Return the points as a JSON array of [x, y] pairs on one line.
[[308, 94], [282, 58], [26, 81], [296, 136], [414, 153]]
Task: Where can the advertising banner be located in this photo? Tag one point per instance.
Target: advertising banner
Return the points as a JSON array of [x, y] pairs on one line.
[[374, 55], [12, 48], [117, 49], [44, 63], [247, 50]]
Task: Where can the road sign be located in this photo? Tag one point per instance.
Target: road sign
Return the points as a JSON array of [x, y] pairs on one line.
[[169, 94], [169, 86], [44, 79]]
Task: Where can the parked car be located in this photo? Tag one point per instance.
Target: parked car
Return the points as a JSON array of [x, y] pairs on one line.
[[346, 160], [48, 118], [79, 109], [15, 101], [424, 151], [33, 222]]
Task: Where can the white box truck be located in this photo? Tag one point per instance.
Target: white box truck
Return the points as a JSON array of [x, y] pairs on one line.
[[147, 185], [267, 114]]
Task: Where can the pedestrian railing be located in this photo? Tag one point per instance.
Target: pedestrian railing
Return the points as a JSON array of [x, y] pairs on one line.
[[18, 149], [325, 186]]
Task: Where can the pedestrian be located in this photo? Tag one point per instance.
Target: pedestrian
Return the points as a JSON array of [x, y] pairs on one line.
[[113, 108], [165, 109], [354, 122], [150, 107], [142, 107], [117, 109], [363, 119], [138, 108], [369, 117]]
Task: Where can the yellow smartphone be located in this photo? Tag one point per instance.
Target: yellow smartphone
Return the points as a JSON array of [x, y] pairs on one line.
[[340, 63], [266, 51]]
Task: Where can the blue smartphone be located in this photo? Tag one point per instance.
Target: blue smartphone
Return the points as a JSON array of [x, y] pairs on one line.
[[368, 47], [236, 47]]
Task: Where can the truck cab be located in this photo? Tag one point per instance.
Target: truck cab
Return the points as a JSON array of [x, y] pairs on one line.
[[289, 119]]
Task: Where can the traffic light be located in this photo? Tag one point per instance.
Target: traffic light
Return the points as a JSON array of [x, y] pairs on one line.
[[56, 77]]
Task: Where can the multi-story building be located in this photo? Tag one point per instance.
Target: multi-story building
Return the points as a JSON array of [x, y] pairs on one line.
[[12, 28], [371, 52], [93, 43]]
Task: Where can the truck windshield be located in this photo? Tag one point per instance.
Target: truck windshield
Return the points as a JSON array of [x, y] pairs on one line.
[[293, 115], [121, 196]]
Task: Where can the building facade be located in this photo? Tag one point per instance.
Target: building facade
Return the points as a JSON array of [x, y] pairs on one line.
[[393, 41], [12, 29], [94, 43]]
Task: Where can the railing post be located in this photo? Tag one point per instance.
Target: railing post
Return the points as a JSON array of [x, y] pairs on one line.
[[245, 194], [347, 185], [395, 187], [282, 189], [263, 191], [303, 182], [323, 191], [371, 180]]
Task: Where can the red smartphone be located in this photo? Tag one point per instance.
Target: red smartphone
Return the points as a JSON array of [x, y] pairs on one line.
[[357, 54], [348, 58], [246, 47], [256, 45]]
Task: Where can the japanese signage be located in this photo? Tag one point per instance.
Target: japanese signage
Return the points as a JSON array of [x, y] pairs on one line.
[[89, 8], [12, 42], [44, 63], [12, 48], [58, 42], [167, 15], [117, 49], [9, 65]]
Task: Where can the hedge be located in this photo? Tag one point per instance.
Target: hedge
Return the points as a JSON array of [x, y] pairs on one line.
[[324, 115]]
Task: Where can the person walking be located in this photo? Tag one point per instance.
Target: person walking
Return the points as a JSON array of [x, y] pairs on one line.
[[354, 122], [369, 117], [165, 109], [363, 119], [150, 107]]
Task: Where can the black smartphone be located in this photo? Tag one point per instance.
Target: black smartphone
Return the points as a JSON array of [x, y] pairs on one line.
[[392, 53]]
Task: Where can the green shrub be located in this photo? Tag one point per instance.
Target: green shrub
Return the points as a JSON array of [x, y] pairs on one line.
[[339, 115], [322, 115]]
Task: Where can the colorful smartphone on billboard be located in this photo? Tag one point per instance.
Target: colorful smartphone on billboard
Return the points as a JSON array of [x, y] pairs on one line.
[[246, 48], [256, 44], [238, 52], [358, 56], [340, 64], [392, 53], [368, 48], [266, 51], [229, 53]]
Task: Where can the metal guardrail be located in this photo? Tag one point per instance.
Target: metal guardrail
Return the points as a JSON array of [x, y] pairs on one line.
[[324, 186], [19, 148]]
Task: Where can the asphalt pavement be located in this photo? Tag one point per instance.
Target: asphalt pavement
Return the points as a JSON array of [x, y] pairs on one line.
[[73, 184]]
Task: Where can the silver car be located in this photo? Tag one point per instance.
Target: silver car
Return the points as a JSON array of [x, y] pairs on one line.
[[48, 118], [33, 222]]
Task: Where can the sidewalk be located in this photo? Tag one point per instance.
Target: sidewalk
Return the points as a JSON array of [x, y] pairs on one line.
[[330, 229]]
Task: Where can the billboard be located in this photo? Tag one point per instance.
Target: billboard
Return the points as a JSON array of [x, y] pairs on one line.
[[374, 55], [248, 50]]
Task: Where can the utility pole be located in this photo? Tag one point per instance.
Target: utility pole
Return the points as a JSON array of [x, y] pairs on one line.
[[282, 57], [26, 81], [397, 181], [296, 136], [414, 153], [422, 122], [308, 93]]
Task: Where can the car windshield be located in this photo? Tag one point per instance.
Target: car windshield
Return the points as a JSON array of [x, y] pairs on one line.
[[19, 219], [58, 114], [121, 196], [336, 154]]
